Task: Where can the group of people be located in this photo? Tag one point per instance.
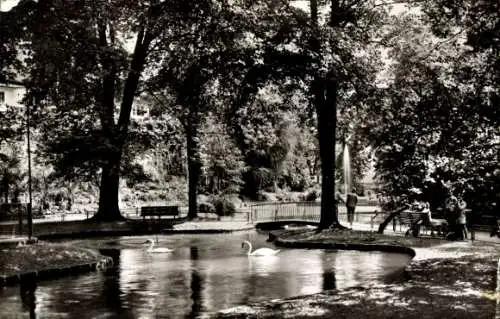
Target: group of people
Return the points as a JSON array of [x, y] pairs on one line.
[[454, 215], [455, 218]]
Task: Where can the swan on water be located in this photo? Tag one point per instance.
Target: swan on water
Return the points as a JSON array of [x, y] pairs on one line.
[[152, 248], [260, 251]]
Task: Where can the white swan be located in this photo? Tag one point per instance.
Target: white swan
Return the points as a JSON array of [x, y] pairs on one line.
[[152, 248], [260, 251]]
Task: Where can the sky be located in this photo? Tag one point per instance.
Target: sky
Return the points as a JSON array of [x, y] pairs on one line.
[[6, 5]]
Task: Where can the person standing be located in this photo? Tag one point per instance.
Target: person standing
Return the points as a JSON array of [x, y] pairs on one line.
[[350, 203], [456, 218], [461, 220], [451, 216]]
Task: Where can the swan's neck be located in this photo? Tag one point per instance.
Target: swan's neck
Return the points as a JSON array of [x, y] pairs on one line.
[[249, 247], [151, 246]]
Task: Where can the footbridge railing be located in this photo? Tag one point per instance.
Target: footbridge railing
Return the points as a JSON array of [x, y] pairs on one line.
[[309, 211], [275, 211]]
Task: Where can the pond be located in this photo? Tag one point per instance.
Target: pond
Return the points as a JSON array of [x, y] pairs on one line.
[[205, 273]]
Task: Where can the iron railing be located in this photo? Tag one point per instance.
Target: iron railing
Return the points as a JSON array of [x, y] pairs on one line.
[[308, 211]]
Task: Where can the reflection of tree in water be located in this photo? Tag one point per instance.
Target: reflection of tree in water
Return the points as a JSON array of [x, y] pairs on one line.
[[111, 292], [27, 290], [111, 285], [250, 289], [196, 285], [329, 279]]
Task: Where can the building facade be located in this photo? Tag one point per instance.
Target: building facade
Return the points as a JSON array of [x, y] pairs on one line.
[[11, 94]]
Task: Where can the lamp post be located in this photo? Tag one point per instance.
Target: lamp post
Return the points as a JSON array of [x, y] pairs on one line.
[[30, 217]]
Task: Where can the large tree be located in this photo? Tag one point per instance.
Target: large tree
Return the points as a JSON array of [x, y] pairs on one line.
[[206, 70], [437, 121], [342, 76], [87, 62]]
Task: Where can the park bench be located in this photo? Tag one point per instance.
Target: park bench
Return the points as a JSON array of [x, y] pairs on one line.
[[411, 219], [159, 211], [416, 220]]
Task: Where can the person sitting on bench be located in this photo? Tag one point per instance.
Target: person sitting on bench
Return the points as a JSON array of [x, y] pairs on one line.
[[429, 222]]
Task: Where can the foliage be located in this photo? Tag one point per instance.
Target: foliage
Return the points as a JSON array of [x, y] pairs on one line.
[[12, 174], [300, 166], [473, 170], [223, 206], [222, 162], [434, 124], [81, 68], [206, 208], [311, 196], [262, 136], [343, 59], [205, 58]]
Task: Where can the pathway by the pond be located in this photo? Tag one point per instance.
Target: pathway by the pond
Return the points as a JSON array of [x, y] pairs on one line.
[[210, 227]]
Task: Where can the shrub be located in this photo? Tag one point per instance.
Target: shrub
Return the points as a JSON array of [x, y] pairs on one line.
[[311, 197], [223, 207], [206, 208]]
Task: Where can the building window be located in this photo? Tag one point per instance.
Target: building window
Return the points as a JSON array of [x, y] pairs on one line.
[[2, 97]]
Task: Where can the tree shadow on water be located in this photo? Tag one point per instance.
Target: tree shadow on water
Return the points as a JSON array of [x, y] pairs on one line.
[[27, 290], [196, 285]]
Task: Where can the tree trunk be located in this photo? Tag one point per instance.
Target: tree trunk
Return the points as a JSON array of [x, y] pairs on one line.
[[390, 217], [108, 191], [117, 134], [325, 92], [194, 167]]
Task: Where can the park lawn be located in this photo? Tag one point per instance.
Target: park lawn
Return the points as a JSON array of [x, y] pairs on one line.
[[348, 236], [449, 280], [43, 256]]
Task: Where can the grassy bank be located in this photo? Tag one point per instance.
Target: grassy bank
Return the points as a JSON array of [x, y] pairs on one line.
[[46, 260]]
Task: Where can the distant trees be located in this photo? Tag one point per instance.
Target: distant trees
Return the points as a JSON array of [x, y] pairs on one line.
[[474, 168], [80, 63], [246, 87], [262, 137], [203, 61], [437, 120], [223, 165]]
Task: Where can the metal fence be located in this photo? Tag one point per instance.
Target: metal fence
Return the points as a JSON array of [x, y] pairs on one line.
[[251, 213], [308, 211]]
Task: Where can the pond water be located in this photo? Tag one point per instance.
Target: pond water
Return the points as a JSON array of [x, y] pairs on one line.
[[204, 274]]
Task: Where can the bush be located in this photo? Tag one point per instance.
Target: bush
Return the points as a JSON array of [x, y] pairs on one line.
[[223, 207], [266, 197], [293, 197], [206, 208], [311, 197]]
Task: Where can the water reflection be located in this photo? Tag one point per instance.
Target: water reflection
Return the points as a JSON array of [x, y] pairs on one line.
[[203, 274], [27, 293], [329, 278], [196, 284], [111, 292], [263, 266]]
